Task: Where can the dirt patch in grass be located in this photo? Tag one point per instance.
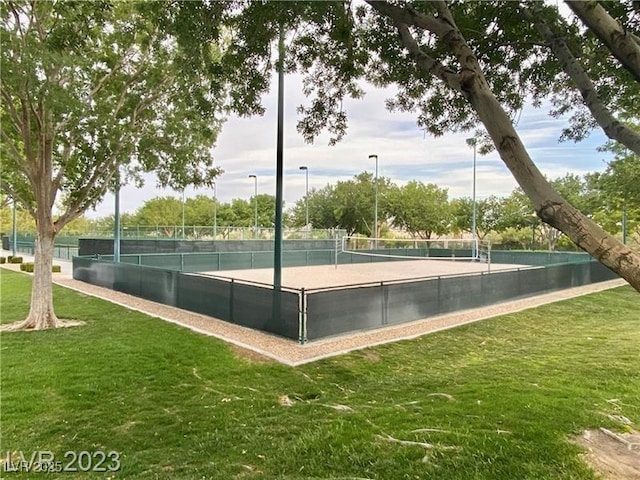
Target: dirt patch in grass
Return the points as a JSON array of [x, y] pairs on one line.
[[615, 456]]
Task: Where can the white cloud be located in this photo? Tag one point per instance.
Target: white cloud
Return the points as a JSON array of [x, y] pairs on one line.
[[248, 146]]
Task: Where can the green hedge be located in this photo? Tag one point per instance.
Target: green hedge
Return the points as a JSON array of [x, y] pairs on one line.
[[3, 260], [29, 267], [12, 259]]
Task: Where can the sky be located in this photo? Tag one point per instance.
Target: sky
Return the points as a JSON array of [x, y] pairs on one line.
[[248, 146]]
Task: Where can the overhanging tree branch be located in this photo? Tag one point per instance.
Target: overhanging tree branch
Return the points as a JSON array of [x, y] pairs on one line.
[[409, 16], [621, 43], [550, 206], [15, 154], [613, 128], [425, 62], [13, 113]]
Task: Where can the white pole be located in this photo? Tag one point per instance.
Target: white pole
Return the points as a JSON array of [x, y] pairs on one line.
[[306, 228], [255, 201], [375, 214], [215, 212], [473, 142]]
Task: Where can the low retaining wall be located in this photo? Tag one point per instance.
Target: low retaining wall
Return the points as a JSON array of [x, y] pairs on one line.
[[242, 303], [104, 246], [335, 311], [314, 314]]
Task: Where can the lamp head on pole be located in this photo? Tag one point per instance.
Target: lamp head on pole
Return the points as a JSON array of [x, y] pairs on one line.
[[253, 176], [373, 156], [304, 168]]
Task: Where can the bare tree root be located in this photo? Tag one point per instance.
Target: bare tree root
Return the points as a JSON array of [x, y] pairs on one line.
[[30, 325]]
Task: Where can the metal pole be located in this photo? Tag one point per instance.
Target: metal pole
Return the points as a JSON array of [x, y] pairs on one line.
[[183, 213], [473, 141], [277, 251], [215, 212], [14, 231], [375, 214], [255, 202], [306, 228], [116, 222], [624, 223], [533, 235]]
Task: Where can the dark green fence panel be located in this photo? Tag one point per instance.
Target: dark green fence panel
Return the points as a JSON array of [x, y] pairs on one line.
[[236, 302], [500, 286], [262, 260], [600, 273], [169, 261], [253, 305], [335, 311], [538, 258], [412, 300], [236, 261], [341, 311], [206, 295], [332, 311], [98, 273], [459, 293], [321, 257], [200, 262]]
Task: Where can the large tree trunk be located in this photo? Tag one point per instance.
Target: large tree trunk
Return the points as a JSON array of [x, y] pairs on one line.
[[471, 82], [41, 314], [549, 205]]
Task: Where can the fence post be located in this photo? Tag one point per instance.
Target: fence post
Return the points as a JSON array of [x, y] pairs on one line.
[[302, 317], [231, 291], [384, 295]]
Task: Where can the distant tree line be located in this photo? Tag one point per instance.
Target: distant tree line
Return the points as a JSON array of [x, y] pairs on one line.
[[415, 209]]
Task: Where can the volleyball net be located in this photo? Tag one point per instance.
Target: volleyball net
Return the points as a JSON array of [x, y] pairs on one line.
[[418, 249]]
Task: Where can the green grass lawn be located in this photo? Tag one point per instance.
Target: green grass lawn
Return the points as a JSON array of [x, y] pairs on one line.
[[506, 394]]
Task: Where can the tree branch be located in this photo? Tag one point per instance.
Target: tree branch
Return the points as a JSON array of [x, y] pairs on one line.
[[425, 62], [409, 16], [108, 75], [13, 151], [620, 42], [66, 153], [422, 59], [8, 103], [613, 128]]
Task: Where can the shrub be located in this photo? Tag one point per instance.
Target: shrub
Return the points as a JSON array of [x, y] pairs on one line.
[[3, 260], [56, 269], [15, 260], [26, 267]]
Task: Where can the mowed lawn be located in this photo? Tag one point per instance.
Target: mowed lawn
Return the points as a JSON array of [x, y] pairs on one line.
[[499, 399]]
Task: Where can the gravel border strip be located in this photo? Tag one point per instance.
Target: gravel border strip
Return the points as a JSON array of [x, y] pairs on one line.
[[290, 352]]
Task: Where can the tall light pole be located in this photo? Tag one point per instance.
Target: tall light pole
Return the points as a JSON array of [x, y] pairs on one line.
[[306, 198], [215, 212], [183, 213], [375, 211], [255, 201], [116, 221], [14, 230], [473, 142], [624, 222]]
